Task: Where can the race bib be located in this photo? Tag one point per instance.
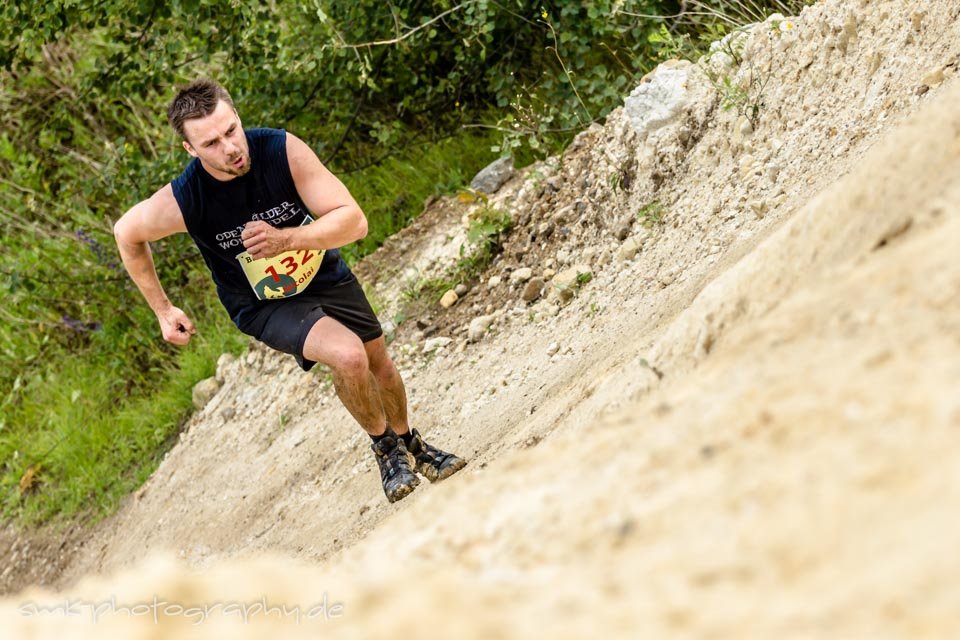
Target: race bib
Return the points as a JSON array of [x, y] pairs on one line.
[[283, 275]]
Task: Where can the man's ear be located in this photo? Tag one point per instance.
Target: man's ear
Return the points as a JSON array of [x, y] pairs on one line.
[[189, 148]]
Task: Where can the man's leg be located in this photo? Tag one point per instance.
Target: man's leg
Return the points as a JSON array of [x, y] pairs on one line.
[[393, 395], [332, 344], [433, 463]]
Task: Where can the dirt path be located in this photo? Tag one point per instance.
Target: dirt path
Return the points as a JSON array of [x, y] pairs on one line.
[[746, 429]]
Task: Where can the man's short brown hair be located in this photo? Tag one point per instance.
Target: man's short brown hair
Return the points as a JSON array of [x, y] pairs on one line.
[[196, 100]]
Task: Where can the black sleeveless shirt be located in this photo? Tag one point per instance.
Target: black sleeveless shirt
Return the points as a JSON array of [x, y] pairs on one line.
[[216, 211]]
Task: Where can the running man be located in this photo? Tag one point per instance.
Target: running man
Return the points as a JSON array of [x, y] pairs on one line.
[[269, 219]]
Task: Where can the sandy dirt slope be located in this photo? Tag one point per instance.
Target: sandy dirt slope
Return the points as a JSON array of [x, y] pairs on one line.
[[747, 429]]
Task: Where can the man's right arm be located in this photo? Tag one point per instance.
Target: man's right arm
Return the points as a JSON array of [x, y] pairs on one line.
[[156, 217]]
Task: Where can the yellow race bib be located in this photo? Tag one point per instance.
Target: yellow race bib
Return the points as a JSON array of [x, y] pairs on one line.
[[283, 275]]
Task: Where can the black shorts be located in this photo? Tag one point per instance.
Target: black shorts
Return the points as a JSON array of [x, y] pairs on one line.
[[284, 324]]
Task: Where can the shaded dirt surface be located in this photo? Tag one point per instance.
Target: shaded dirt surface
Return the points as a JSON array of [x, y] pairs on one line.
[[746, 428], [35, 558]]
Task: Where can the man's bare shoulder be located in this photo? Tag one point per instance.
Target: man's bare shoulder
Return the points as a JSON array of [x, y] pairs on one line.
[[320, 190], [156, 217], [163, 198], [300, 156]]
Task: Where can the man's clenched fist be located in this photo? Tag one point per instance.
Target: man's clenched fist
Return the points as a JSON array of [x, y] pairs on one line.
[[175, 326], [263, 240]]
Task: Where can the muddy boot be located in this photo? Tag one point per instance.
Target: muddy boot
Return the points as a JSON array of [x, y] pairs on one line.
[[396, 467], [432, 463]]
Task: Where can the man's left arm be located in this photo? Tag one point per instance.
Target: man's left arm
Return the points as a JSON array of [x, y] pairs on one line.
[[339, 220]]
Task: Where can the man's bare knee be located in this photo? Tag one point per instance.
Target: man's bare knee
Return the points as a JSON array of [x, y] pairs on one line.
[[350, 363], [334, 345], [380, 363]]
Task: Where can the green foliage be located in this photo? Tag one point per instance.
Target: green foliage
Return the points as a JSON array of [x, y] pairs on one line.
[[589, 59], [721, 22], [93, 434], [486, 227], [746, 98], [667, 44], [424, 291], [484, 242], [615, 180], [582, 278], [703, 14], [651, 214], [744, 95], [392, 192]]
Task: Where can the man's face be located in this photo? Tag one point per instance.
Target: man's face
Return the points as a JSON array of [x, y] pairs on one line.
[[218, 140]]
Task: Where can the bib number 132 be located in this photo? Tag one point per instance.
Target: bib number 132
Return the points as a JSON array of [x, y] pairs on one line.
[[290, 264], [283, 275]]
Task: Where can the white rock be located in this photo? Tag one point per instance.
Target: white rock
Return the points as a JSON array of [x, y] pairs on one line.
[[933, 79], [772, 171], [492, 177], [759, 207], [204, 391], [658, 101], [478, 327], [521, 275], [553, 348], [629, 249], [566, 282], [224, 361], [432, 344], [389, 329], [494, 281]]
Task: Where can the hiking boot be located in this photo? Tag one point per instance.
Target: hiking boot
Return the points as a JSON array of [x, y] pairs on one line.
[[396, 467], [432, 463]]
